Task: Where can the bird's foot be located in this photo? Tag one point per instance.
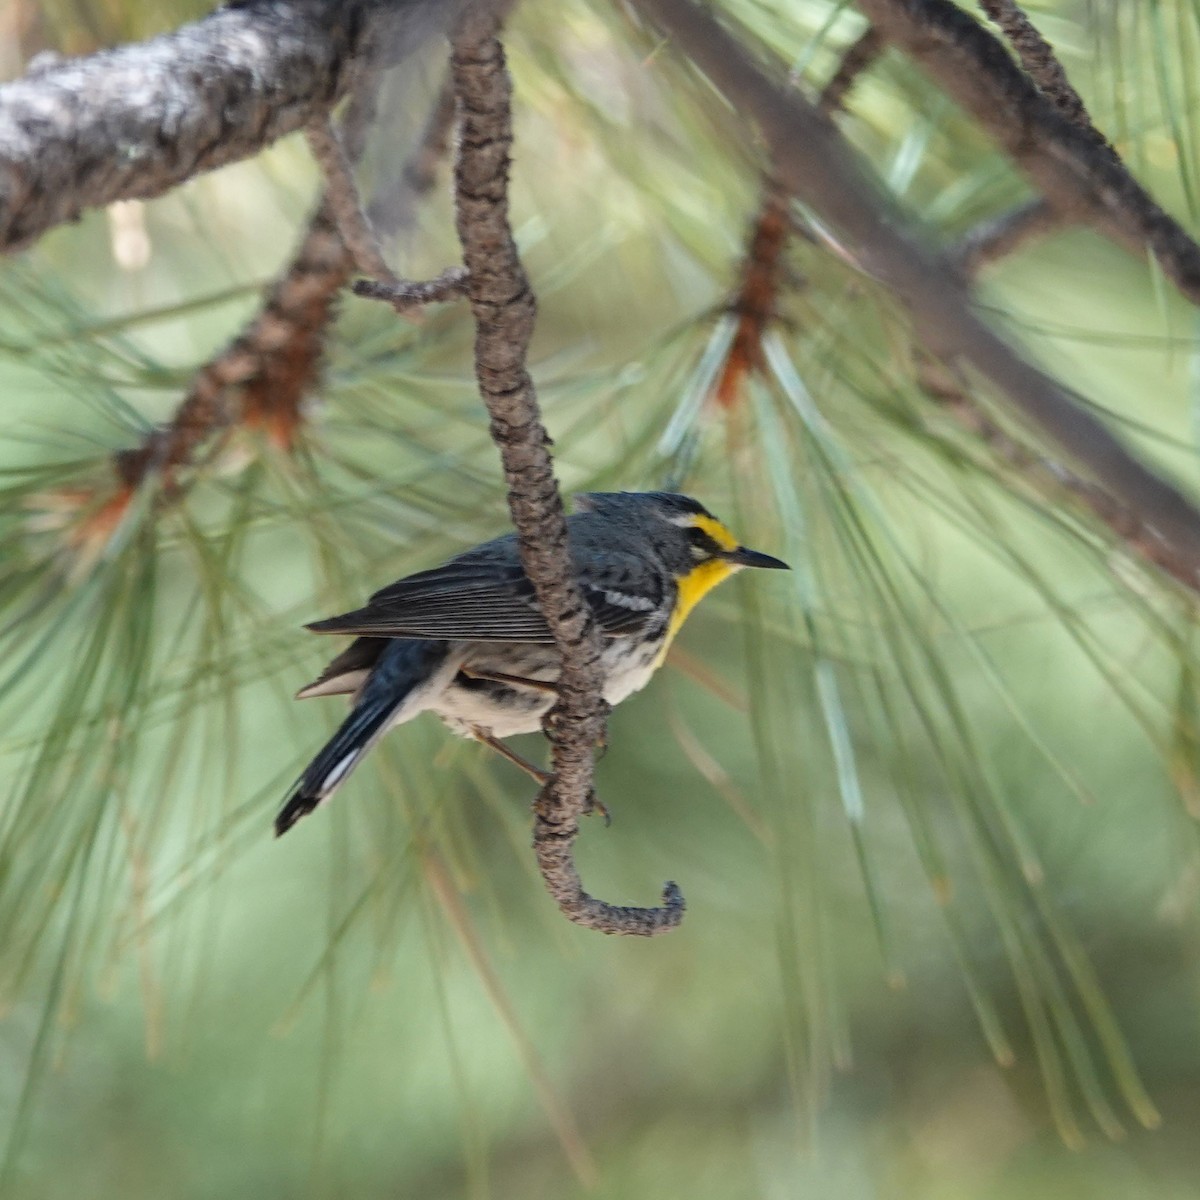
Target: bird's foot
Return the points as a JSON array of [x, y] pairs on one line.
[[540, 777], [594, 805]]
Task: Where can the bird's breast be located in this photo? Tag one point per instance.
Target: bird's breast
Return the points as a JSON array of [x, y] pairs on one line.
[[693, 587], [628, 666]]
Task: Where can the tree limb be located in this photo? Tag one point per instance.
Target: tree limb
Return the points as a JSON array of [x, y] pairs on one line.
[[1040, 62], [1077, 173], [763, 273], [1004, 235], [817, 166], [983, 245], [138, 120], [503, 305]]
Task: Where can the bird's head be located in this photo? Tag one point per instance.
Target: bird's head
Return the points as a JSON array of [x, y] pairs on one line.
[[699, 549]]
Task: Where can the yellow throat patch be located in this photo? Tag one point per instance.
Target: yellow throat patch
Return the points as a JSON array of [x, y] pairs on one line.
[[700, 580]]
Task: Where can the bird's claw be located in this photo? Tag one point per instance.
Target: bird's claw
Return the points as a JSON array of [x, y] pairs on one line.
[[594, 804]]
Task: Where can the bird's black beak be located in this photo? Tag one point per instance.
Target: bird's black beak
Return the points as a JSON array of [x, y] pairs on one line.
[[741, 557]]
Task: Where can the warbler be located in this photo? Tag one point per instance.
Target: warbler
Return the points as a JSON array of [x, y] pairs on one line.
[[468, 642]]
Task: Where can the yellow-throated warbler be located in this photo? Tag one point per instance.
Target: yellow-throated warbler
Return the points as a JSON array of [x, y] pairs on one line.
[[468, 642]]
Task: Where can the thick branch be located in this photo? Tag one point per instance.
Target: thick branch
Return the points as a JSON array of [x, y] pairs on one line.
[[817, 166], [504, 306], [137, 121], [1074, 169]]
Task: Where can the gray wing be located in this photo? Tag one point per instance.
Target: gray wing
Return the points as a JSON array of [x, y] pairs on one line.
[[485, 596]]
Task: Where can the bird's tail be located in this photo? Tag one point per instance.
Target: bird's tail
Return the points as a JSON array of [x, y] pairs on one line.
[[392, 686]]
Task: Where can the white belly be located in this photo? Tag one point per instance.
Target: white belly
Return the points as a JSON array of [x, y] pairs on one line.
[[505, 710], [627, 675]]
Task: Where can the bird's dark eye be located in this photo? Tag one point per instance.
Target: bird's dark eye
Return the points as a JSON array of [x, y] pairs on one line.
[[703, 546]]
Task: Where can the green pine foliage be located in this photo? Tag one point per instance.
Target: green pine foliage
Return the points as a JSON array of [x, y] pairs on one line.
[[932, 797]]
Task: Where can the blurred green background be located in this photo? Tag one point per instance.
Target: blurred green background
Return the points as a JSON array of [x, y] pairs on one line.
[[932, 798]]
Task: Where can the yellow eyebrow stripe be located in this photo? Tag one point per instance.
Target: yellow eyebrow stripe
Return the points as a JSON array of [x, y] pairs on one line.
[[716, 531]]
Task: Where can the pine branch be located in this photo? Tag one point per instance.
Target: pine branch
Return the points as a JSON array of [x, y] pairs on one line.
[[503, 305], [139, 120], [262, 378], [818, 167], [1041, 63], [998, 237], [755, 303], [343, 203], [982, 246], [1071, 165], [1004, 235]]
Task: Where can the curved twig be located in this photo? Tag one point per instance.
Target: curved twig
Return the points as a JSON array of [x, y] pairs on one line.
[[998, 237], [858, 57], [503, 305]]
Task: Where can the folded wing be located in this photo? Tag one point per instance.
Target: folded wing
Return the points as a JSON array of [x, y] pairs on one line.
[[489, 599]]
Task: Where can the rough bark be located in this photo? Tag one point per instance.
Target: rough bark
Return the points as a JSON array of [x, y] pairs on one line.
[[504, 309], [137, 121], [1040, 62]]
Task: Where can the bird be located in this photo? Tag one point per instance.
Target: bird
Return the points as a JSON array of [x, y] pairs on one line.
[[468, 642]]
